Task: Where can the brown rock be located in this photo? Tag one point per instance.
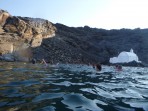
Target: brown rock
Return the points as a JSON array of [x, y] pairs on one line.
[[36, 41], [18, 34], [6, 48], [3, 16]]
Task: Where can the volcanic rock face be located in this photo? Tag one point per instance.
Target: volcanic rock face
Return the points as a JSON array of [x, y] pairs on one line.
[[92, 45], [19, 35], [22, 38]]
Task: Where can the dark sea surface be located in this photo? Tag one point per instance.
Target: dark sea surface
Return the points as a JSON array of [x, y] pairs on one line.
[[28, 87]]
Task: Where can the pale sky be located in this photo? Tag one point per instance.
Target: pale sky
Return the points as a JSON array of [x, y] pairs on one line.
[[107, 14]]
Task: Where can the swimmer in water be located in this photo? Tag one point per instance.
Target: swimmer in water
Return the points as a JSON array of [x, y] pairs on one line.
[[33, 61], [118, 67], [98, 67], [44, 62]]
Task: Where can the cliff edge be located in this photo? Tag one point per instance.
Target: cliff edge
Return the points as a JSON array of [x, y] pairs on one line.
[[19, 35], [23, 38]]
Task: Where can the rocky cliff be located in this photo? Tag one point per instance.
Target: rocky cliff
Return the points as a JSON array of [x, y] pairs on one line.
[[22, 38], [19, 35], [92, 45]]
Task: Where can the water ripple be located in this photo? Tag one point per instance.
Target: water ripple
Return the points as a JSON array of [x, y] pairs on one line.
[[46, 96], [67, 87], [79, 102]]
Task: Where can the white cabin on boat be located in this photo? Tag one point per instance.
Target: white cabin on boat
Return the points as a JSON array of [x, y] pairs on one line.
[[125, 57]]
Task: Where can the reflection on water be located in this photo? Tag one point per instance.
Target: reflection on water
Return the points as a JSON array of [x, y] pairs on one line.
[[27, 87]]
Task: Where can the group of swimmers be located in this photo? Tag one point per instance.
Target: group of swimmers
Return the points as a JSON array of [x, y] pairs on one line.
[[97, 66], [33, 61]]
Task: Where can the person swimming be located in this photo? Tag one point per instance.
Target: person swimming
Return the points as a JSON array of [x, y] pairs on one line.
[[118, 67], [44, 62], [33, 61], [98, 67]]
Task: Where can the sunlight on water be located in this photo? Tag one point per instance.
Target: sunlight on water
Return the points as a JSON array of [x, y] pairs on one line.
[[68, 87]]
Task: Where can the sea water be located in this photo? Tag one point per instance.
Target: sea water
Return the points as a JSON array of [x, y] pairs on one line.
[[72, 87]]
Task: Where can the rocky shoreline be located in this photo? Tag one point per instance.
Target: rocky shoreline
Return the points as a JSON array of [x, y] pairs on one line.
[[24, 38], [133, 64]]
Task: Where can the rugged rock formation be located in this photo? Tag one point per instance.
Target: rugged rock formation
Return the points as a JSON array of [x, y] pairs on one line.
[[3, 16], [37, 38], [19, 35], [92, 45]]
